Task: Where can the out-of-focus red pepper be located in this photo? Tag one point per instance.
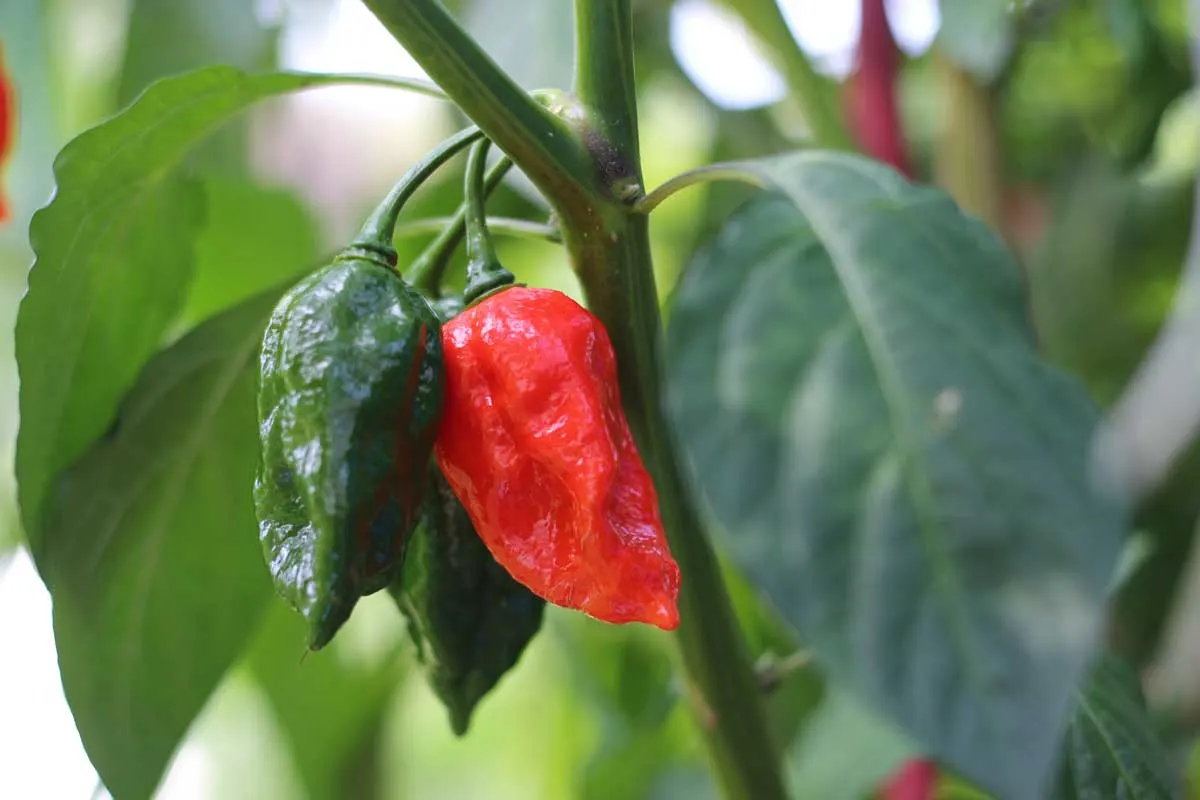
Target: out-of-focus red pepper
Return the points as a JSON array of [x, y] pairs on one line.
[[915, 780], [874, 112], [535, 444], [8, 128]]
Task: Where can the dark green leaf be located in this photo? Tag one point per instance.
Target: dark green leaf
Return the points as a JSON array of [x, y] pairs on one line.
[[978, 35], [349, 404], [467, 616], [255, 238], [855, 383], [114, 257], [1111, 750], [329, 705], [151, 553]]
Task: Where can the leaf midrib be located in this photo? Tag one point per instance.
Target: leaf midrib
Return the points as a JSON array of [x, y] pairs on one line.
[[953, 598]]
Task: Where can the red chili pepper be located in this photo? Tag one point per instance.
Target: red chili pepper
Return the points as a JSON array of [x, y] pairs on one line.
[[535, 444], [8, 128], [915, 780]]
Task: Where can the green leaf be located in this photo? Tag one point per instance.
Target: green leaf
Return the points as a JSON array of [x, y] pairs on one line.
[[171, 36], [979, 36], [166, 37], [854, 381], [256, 238], [151, 551], [330, 704], [113, 259], [1111, 749]]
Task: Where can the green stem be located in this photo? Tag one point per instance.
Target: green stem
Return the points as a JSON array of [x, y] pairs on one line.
[[428, 271], [589, 175], [485, 273], [547, 150], [730, 171], [617, 275], [502, 226], [376, 233]]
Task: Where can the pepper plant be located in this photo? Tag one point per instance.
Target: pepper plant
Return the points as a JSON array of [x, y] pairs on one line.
[[848, 438]]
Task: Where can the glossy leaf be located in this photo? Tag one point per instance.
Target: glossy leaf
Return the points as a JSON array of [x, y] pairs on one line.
[[114, 255], [1111, 749], [151, 555], [855, 384], [328, 705], [350, 401]]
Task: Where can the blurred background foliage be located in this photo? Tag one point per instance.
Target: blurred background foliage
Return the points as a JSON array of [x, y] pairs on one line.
[[1071, 126]]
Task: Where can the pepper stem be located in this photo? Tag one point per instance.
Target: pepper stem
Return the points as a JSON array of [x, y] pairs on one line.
[[374, 240], [428, 271], [485, 273]]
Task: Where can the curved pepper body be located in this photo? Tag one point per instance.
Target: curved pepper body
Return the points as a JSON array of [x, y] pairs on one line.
[[467, 616], [350, 398], [536, 446]]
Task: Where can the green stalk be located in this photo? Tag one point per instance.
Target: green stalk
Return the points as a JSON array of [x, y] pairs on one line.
[[375, 237], [541, 143], [428, 271], [617, 275], [591, 176], [500, 226], [485, 273]]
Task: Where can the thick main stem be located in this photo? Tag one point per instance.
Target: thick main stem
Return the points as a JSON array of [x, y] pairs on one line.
[[590, 175], [617, 275], [540, 143]]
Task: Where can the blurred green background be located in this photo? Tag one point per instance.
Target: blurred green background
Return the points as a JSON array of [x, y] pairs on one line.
[[1070, 126]]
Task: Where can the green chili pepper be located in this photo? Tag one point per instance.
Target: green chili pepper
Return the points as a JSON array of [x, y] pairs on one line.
[[467, 616], [350, 396]]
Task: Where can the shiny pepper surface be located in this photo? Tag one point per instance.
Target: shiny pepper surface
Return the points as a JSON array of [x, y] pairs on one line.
[[350, 399], [536, 446]]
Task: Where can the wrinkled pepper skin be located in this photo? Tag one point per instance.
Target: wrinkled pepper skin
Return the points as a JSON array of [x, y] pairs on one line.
[[536, 446], [468, 618], [350, 397]]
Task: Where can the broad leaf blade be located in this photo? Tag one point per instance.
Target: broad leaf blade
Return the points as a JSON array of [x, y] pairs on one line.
[[114, 257], [854, 381], [1111, 749], [152, 553], [331, 704]]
